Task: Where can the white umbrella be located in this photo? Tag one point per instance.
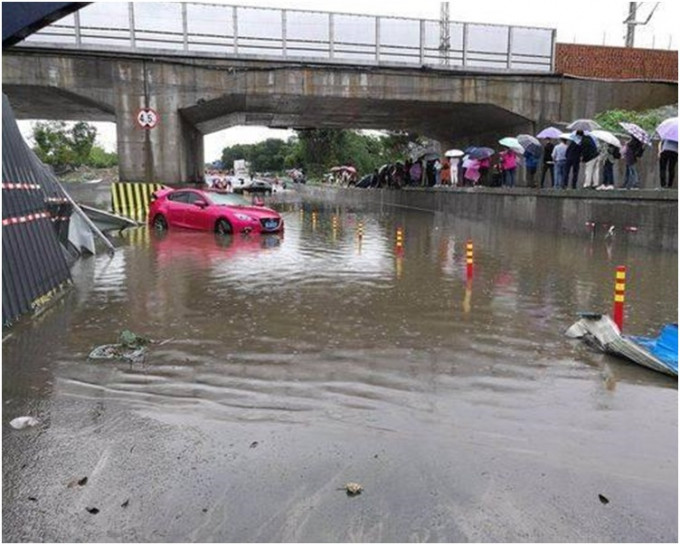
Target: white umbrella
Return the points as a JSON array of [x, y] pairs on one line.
[[454, 153], [607, 137], [512, 143]]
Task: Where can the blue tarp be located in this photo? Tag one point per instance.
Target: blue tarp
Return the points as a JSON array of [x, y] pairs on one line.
[[664, 347]]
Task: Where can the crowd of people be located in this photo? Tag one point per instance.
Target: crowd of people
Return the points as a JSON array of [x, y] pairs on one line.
[[556, 164]]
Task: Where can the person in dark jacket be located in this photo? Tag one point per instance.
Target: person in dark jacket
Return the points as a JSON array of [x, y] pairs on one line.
[[573, 162], [548, 163], [589, 154], [634, 150]]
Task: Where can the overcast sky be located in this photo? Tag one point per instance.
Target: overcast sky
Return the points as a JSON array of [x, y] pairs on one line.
[[580, 21]]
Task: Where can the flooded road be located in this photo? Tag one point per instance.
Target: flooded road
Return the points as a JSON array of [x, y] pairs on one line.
[[287, 367]]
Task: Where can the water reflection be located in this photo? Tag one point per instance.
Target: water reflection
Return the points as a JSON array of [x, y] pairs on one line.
[[325, 333]]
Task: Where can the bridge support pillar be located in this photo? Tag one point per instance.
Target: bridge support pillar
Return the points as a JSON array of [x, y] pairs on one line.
[[172, 151]]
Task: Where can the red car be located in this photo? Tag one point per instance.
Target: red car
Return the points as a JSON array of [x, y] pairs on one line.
[[223, 213]]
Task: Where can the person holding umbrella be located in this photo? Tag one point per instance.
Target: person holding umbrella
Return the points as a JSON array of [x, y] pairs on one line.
[[573, 164], [548, 163], [509, 165], [632, 152], [668, 151], [668, 160]]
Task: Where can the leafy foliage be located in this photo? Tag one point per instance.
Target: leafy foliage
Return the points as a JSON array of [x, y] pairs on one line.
[[66, 148], [317, 150], [648, 120]]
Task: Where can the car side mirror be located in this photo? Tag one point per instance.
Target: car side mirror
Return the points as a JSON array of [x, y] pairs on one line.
[[201, 203]]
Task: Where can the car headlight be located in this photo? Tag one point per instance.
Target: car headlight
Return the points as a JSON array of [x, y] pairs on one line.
[[244, 217]]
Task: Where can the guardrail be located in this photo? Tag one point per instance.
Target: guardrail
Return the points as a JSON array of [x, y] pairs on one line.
[[231, 31]]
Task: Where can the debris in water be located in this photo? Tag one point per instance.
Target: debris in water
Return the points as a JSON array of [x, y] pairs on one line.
[[33, 498], [603, 499], [254, 444], [353, 489], [22, 422], [125, 503], [92, 510], [131, 340], [131, 347], [77, 482]]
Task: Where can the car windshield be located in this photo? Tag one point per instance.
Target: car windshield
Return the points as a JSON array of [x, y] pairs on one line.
[[228, 198]]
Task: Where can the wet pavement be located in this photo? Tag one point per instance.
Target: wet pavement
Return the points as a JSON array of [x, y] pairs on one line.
[[287, 367]]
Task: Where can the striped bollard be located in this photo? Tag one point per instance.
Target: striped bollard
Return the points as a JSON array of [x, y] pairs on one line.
[[619, 296], [469, 259], [400, 240]]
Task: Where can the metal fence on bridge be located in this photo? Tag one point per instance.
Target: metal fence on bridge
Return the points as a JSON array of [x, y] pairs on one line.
[[226, 31]]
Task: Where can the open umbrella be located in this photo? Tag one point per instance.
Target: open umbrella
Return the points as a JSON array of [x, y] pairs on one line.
[[637, 131], [583, 125], [668, 129], [454, 153], [530, 144], [549, 132], [607, 137], [481, 153], [512, 143]]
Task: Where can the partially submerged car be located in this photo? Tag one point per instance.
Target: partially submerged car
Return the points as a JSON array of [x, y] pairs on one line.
[[223, 213]]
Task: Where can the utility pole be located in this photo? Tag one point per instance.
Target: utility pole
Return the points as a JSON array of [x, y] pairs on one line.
[[631, 21], [444, 34], [630, 32]]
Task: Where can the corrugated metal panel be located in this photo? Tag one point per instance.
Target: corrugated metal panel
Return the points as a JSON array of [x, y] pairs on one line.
[[34, 212]]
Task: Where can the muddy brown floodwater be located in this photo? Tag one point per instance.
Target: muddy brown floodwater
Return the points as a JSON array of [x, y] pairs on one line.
[[290, 367]]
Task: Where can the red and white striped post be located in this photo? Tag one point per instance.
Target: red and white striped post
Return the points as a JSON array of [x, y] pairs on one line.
[[470, 259], [619, 295]]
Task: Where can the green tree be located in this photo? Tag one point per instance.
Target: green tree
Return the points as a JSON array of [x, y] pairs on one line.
[[62, 147], [100, 158]]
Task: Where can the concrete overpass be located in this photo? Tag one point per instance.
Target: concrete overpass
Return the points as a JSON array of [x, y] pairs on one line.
[[460, 84], [198, 96]]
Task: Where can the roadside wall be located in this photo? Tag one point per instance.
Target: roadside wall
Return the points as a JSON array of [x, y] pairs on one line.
[[606, 62], [649, 220]]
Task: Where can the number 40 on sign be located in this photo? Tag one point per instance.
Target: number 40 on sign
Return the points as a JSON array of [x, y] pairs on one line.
[[147, 118]]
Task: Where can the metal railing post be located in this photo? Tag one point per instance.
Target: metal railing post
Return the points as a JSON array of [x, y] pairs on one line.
[[552, 51], [422, 42], [465, 43], [509, 47], [76, 22], [377, 40], [235, 30], [331, 36], [131, 16], [284, 33], [185, 27]]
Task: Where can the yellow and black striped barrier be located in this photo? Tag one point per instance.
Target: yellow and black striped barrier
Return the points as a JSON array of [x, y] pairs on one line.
[[131, 199]]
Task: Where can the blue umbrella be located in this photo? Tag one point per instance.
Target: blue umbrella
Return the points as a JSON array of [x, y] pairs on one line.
[[481, 153]]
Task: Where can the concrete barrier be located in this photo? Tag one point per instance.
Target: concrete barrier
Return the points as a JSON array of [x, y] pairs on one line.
[[645, 218]]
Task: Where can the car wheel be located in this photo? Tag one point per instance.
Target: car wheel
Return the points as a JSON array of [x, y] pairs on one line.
[[223, 227], [160, 223]]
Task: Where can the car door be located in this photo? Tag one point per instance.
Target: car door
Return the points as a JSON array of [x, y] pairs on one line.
[[176, 208], [197, 217]]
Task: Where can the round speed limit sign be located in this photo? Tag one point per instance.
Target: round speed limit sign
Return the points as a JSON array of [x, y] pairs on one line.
[[147, 118]]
